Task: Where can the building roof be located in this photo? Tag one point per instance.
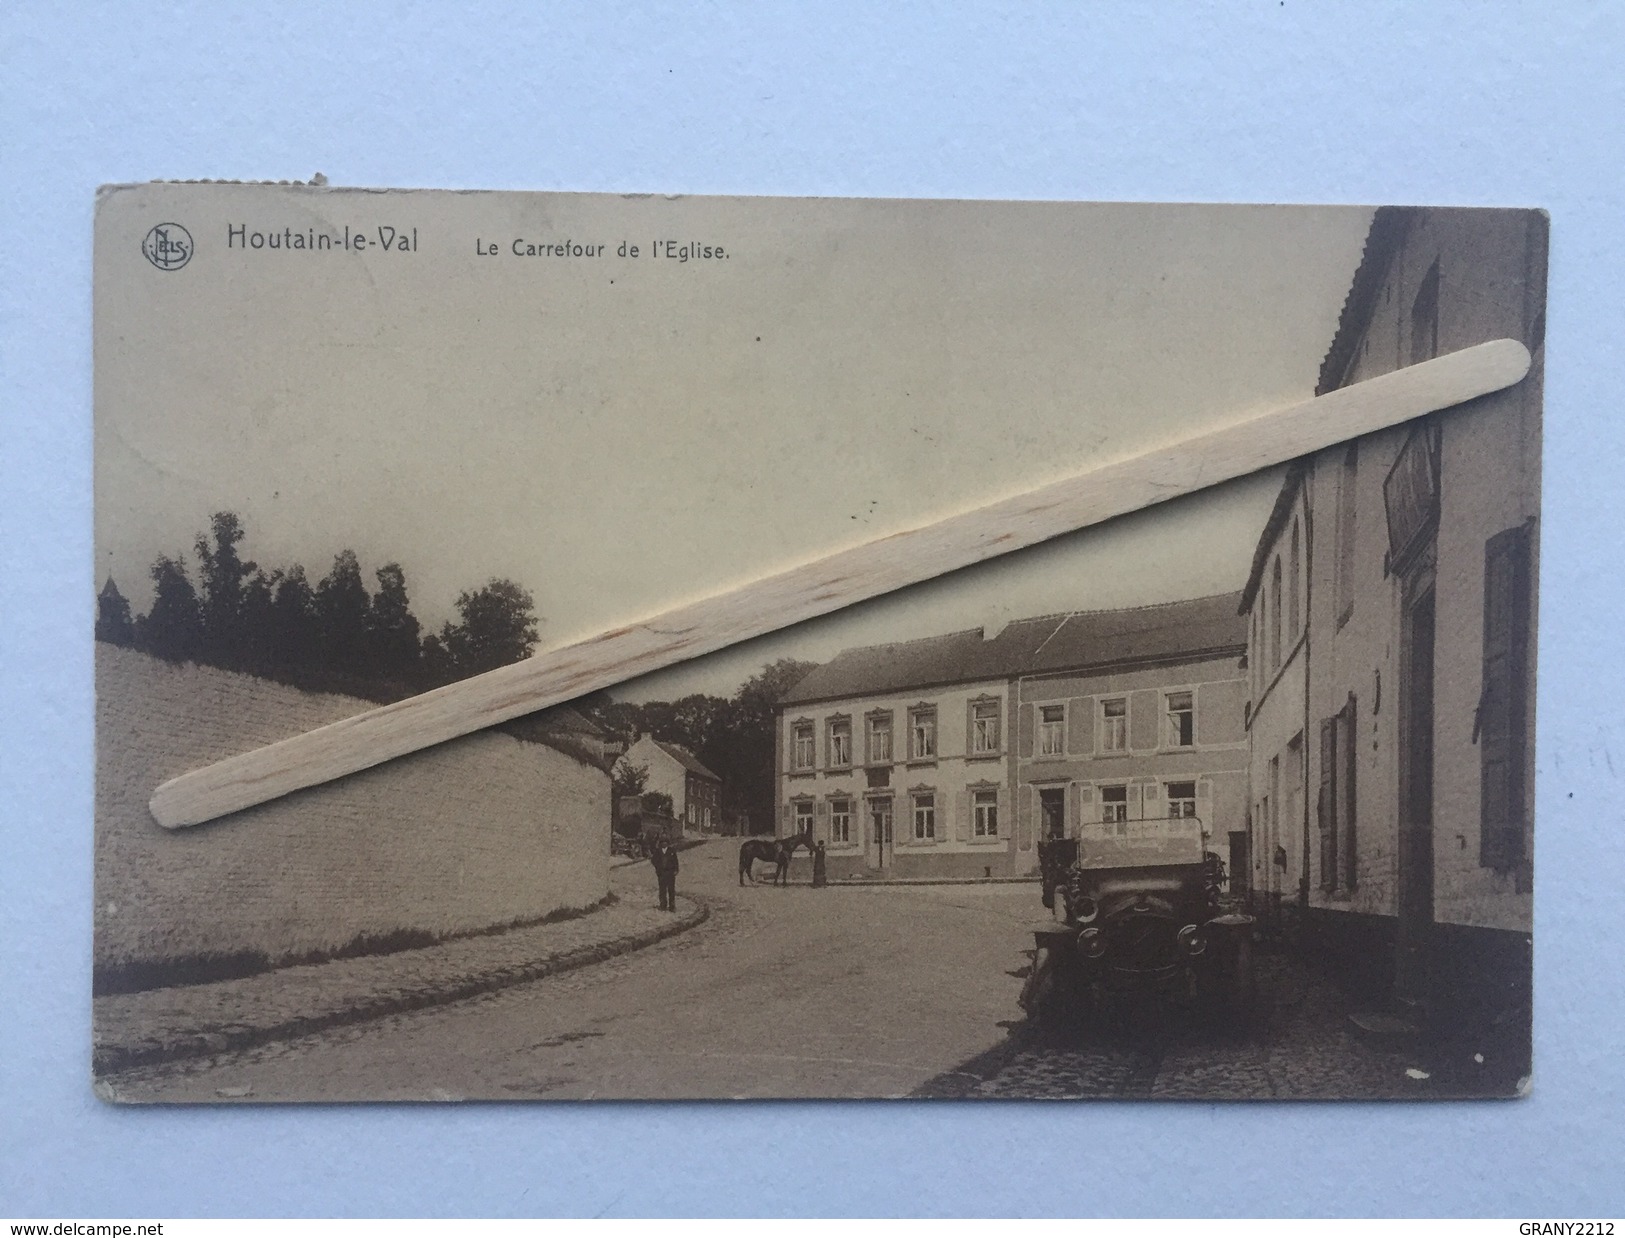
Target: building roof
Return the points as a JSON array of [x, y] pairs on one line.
[[565, 730], [1388, 228], [1295, 473], [1382, 242], [684, 757], [1072, 641]]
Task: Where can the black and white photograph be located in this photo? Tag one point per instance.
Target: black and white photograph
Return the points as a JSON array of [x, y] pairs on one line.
[[1228, 798]]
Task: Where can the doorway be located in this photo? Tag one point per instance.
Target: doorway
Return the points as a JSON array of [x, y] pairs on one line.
[[1240, 862], [1416, 667], [1052, 812], [880, 838]]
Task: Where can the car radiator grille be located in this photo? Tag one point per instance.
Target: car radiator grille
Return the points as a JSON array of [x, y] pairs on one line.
[[1142, 945]]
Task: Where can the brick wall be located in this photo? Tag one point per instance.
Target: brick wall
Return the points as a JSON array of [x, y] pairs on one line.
[[476, 832]]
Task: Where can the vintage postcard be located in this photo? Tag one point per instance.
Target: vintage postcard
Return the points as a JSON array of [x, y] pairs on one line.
[[1229, 799]]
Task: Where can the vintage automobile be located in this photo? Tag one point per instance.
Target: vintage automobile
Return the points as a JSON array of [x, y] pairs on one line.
[[1138, 910]]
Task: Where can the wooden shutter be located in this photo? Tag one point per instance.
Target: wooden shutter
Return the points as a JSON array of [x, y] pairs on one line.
[[786, 818], [1326, 804], [1080, 725], [1346, 815], [1144, 721], [1029, 730], [1204, 807], [1151, 801], [1502, 725], [1085, 807], [960, 824]]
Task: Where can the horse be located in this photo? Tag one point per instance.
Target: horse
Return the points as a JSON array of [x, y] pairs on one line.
[[776, 851]]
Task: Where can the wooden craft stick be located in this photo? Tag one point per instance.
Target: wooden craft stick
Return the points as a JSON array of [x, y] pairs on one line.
[[835, 581]]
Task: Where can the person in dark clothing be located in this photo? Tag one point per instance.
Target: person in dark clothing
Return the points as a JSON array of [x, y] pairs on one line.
[[820, 877], [664, 859]]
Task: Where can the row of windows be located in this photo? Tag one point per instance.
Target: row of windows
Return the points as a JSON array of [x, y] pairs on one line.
[[985, 737], [922, 814], [1180, 797], [1112, 724], [1111, 732], [1278, 614]]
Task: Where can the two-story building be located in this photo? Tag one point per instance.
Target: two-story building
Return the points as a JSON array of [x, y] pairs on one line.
[[696, 792], [1391, 621], [952, 755], [1135, 713], [1270, 860]]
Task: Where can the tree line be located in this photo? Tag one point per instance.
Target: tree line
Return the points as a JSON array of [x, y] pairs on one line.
[[335, 635]]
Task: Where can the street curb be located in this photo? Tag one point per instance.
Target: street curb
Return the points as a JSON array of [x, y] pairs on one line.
[[864, 882], [113, 1059]]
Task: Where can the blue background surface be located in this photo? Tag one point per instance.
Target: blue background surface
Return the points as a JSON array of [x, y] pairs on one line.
[[1262, 101]]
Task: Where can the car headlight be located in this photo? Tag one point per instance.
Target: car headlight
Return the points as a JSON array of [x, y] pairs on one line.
[[1091, 944], [1192, 940], [1085, 910]]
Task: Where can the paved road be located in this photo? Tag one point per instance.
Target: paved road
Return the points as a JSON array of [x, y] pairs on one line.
[[1297, 1046], [781, 993], [841, 992]]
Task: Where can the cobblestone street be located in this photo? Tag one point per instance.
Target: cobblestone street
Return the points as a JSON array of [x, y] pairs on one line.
[[861, 992], [1297, 1047]]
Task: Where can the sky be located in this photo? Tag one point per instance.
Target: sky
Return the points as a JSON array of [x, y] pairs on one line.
[[619, 434]]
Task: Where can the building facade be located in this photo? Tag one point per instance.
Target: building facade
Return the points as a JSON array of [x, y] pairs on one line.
[[952, 756], [1270, 859], [1117, 744], [696, 792], [1406, 697]]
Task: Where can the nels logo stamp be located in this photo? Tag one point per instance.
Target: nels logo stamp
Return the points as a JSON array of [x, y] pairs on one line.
[[168, 246]]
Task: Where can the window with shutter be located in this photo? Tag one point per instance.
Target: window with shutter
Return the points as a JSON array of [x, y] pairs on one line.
[[879, 739], [1114, 725], [1182, 799], [1181, 709], [1114, 803], [984, 727], [801, 746], [840, 822], [1502, 725], [985, 813], [1326, 804], [838, 743], [925, 817], [1294, 586], [1275, 614], [922, 725], [1346, 801], [1052, 731], [1348, 479]]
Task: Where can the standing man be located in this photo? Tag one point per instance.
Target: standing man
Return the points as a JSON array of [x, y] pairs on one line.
[[664, 859]]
